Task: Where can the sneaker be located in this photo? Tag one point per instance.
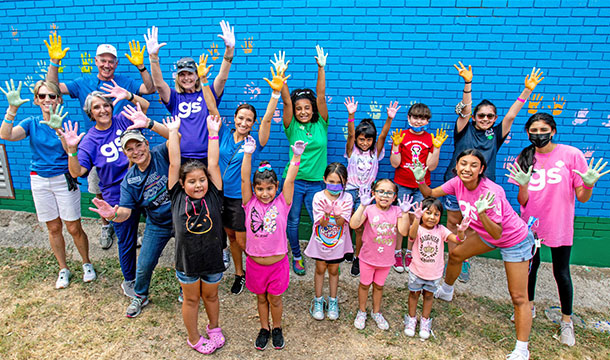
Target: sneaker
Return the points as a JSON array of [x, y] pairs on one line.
[[380, 320], [566, 333], [408, 258], [517, 355], [139, 241], [410, 325], [226, 257], [262, 339], [298, 266], [277, 338], [512, 318], [128, 288], [135, 308], [441, 294], [88, 273], [360, 320], [425, 328], [465, 273], [333, 309], [398, 266], [238, 284], [355, 267], [63, 280], [349, 257], [317, 308], [107, 236], [180, 296]]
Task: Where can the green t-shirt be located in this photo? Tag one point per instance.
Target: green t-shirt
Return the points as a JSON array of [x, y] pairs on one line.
[[314, 159]]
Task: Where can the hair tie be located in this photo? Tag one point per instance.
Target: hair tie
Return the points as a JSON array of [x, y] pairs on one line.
[[265, 167]]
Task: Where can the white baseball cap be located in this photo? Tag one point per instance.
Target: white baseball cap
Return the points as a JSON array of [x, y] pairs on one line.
[[106, 49]]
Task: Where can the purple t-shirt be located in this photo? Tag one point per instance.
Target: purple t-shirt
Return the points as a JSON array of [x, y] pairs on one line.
[[102, 149], [193, 113]]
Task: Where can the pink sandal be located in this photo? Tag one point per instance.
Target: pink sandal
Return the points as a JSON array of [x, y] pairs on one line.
[[203, 346], [216, 336]]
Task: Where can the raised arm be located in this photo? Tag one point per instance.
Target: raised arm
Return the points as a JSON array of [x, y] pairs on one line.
[[202, 72], [137, 59], [246, 169], [288, 190], [228, 35], [403, 222], [7, 131], [437, 142], [531, 80], [141, 121], [464, 107], [522, 178], [351, 129], [359, 217], [118, 93], [392, 110], [153, 46], [276, 85], [418, 212], [396, 157], [56, 54], [173, 148], [72, 139], [589, 178], [321, 83], [280, 67], [214, 124]]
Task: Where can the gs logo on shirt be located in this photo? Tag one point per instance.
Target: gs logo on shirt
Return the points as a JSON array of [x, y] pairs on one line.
[[468, 209], [112, 149], [188, 108], [541, 177]]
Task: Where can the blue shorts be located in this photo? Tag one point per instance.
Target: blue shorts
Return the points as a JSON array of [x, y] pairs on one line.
[[520, 252], [355, 198], [451, 203], [208, 279], [403, 190], [418, 284]]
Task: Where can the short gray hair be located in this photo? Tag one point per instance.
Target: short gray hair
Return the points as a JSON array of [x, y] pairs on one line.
[[99, 95]]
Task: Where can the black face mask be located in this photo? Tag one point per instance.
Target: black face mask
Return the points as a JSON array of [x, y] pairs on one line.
[[540, 140]]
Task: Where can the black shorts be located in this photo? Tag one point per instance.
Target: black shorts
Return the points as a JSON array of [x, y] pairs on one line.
[[233, 215], [333, 261]]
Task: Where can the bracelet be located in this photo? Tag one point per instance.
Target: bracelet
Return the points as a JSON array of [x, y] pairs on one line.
[[276, 96], [295, 163], [143, 69], [8, 112], [73, 154], [457, 237], [114, 217], [421, 182], [215, 137], [206, 83], [587, 186], [468, 82], [54, 64], [229, 59], [153, 61], [8, 121], [521, 100], [395, 152], [151, 124], [132, 96], [350, 120], [466, 92]]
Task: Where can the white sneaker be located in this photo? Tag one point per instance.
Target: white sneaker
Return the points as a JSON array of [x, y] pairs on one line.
[[512, 318], [380, 320], [567, 333], [63, 280], [425, 328], [517, 355], [441, 294], [88, 273], [410, 325], [226, 257], [360, 321], [128, 288]]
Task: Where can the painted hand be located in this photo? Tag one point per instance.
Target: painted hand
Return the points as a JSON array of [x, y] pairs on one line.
[[214, 124], [533, 79], [418, 169], [327, 206], [115, 91], [465, 74], [280, 64], [202, 68], [249, 145], [56, 118], [172, 123], [592, 174], [463, 226], [70, 134], [104, 209], [393, 109], [485, 202], [350, 105], [418, 211], [137, 54], [516, 173], [228, 34], [439, 139], [13, 96], [152, 42], [366, 198], [298, 148], [54, 47], [278, 80], [139, 119], [406, 203], [321, 58], [397, 137]]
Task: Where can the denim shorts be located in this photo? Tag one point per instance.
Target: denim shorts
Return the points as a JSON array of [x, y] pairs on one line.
[[355, 198], [520, 252], [208, 279], [451, 203], [403, 190], [418, 284]]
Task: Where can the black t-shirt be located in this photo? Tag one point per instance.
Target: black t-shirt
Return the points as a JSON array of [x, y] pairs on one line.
[[198, 228]]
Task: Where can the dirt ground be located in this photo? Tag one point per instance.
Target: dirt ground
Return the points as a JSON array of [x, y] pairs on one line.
[[87, 320]]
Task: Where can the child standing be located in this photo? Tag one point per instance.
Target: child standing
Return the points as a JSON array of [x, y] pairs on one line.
[[382, 223], [426, 271], [330, 239], [363, 155], [268, 269]]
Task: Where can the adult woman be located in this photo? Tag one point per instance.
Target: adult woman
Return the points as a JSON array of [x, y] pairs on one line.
[[496, 225], [560, 175], [55, 192], [306, 118], [231, 156], [186, 101], [100, 148]]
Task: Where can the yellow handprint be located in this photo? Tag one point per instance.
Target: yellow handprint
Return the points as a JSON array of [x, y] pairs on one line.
[[533, 103], [86, 61], [214, 51], [557, 107], [247, 47]]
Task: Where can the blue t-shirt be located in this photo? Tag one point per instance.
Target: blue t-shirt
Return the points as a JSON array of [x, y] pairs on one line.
[[48, 156], [81, 87], [102, 149], [193, 113], [231, 157], [488, 142], [148, 189]]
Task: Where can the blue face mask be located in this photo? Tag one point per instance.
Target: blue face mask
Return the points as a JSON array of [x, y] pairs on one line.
[[418, 128], [334, 189]]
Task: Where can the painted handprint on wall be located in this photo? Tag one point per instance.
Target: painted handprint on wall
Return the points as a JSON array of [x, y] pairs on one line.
[[533, 103], [213, 51], [581, 116], [607, 123], [41, 69], [277, 117], [29, 83], [15, 33], [508, 137], [344, 129], [375, 110], [252, 89], [588, 151], [86, 62], [508, 160], [558, 104], [247, 46]]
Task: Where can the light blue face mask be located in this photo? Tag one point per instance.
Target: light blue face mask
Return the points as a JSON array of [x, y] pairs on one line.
[[418, 128], [334, 189]]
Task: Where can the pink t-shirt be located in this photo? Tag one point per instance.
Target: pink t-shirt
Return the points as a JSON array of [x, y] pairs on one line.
[[552, 194], [379, 236], [428, 252], [331, 242], [266, 226], [362, 167], [514, 229]]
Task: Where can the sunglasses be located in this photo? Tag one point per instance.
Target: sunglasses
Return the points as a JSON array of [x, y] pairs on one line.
[[385, 193], [44, 96], [186, 65], [488, 116]]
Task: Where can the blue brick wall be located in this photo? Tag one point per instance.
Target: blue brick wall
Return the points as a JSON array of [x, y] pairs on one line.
[[379, 51]]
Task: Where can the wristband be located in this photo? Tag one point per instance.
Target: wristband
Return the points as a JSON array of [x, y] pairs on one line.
[[132, 96], [395, 152], [420, 182], [229, 59], [54, 64], [142, 69], [8, 121], [468, 82], [521, 100], [153, 61], [295, 163], [587, 186], [206, 83], [350, 120], [215, 137], [457, 237], [73, 154], [114, 217], [8, 112], [466, 92], [276, 96], [151, 124]]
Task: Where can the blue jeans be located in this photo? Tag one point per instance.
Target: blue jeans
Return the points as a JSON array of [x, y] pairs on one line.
[[154, 241], [303, 192], [403, 190], [127, 235]]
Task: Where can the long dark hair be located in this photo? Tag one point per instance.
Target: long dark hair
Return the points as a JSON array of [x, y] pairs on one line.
[[308, 94], [476, 153], [484, 102], [527, 156], [367, 128]]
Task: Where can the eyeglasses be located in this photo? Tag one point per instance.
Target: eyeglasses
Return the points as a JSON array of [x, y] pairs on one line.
[[385, 193], [44, 96], [483, 116]]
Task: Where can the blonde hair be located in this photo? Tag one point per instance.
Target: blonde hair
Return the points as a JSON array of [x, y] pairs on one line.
[[180, 89]]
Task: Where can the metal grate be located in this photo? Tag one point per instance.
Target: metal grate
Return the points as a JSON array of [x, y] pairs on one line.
[[6, 182]]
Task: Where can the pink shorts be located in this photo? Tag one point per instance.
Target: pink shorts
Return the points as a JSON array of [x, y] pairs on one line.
[[272, 279], [370, 274]]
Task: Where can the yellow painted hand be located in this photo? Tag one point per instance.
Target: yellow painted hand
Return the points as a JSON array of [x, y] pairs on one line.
[[439, 139], [466, 74], [278, 80], [397, 137], [202, 68], [137, 54], [54, 47], [533, 79]]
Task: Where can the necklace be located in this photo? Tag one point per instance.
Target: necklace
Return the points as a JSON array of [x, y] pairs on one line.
[[199, 224]]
